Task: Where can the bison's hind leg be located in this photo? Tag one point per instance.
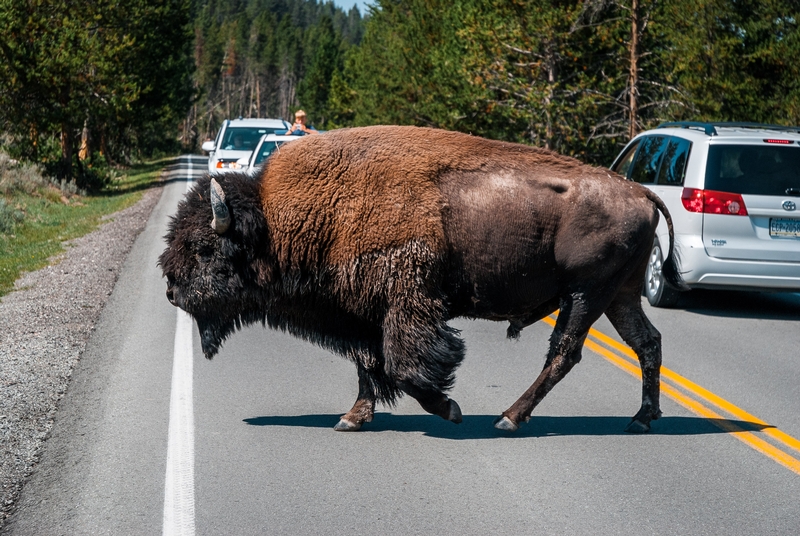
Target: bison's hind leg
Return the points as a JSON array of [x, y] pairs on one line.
[[628, 318]]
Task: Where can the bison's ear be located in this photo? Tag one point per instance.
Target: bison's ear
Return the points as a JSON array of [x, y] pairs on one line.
[[222, 217]]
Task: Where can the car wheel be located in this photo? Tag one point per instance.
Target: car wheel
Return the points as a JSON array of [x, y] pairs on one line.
[[658, 293]]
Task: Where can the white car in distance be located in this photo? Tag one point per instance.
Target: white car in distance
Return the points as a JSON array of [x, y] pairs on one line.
[[236, 139]]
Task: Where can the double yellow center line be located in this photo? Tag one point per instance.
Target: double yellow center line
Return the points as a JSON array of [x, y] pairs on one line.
[[701, 402]]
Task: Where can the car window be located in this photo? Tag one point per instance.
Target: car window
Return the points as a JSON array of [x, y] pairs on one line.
[[267, 148], [244, 138], [623, 164], [648, 159], [673, 169], [753, 169]]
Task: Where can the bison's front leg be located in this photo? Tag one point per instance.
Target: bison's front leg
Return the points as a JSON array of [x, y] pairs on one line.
[[572, 326], [364, 408], [422, 353], [559, 362]]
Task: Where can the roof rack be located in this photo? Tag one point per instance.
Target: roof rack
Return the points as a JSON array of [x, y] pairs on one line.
[[710, 128]]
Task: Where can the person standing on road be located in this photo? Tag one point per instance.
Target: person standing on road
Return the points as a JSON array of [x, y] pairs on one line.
[[299, 127]]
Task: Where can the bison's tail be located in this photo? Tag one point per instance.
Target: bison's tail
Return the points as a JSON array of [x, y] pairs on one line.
[[669, 269]]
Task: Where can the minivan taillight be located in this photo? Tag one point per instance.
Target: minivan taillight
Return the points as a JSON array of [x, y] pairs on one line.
[[713, 202]]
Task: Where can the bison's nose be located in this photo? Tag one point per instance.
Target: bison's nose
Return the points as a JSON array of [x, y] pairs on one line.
[[171, 296]]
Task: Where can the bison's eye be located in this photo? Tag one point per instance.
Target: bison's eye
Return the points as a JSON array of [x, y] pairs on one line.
[[204, 254]]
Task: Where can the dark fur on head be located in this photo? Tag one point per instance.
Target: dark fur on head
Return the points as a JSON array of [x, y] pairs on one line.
[[218, 279], [230, 280]]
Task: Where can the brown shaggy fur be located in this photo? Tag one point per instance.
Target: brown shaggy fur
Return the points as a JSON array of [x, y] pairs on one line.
[[368, 240]]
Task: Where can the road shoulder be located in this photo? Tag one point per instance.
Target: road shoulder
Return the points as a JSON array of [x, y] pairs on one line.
[[47, 323]]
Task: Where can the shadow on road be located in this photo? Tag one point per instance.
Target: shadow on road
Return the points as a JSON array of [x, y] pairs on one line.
[[482, 426], [742, 304]]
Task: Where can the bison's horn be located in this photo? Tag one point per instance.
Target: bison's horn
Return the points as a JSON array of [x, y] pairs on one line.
[[222, 217]]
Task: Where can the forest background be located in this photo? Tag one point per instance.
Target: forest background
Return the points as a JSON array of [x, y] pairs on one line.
[[86, 84]]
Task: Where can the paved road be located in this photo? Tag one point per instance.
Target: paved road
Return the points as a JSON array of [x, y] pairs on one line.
[[263, 458]]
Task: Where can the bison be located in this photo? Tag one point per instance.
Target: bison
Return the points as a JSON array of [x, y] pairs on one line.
[[367, 241]]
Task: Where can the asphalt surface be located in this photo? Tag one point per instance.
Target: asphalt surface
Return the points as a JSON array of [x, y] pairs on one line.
[[267, 461]]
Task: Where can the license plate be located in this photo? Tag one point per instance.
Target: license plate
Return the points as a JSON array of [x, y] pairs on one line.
[[784, 228]]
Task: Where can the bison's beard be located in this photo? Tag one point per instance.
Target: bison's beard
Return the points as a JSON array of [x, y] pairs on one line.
[[212, 334], [214, 329]]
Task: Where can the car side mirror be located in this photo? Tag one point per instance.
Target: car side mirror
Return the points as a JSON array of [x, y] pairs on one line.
[[208, 146]]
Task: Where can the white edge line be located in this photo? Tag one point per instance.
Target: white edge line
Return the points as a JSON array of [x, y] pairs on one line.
[[179, 482]]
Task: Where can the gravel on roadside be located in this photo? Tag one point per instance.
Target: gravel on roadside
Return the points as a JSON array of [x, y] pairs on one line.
[[45, 324]]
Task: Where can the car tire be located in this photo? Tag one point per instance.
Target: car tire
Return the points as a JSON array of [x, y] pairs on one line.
[[656, 289]]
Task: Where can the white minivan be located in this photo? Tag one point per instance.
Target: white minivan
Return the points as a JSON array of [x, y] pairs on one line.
[[733, 191]]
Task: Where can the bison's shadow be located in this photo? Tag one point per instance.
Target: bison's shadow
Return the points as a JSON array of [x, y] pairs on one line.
[[482, 426]]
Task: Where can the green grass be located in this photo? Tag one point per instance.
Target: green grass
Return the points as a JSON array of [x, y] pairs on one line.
[[49, 221]]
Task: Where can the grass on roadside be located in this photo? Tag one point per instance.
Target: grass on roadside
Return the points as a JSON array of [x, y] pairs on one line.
[[47, 217]]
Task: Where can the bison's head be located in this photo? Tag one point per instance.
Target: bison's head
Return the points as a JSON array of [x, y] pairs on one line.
[[216, 261]]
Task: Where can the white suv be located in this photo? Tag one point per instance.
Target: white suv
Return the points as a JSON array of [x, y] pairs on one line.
[[733, 191], [236, 139]]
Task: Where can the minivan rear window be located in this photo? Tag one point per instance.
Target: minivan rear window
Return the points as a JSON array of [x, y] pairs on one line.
[[753, 169]]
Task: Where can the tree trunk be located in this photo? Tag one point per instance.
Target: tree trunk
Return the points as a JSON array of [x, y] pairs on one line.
[[35, 141], [551, 80], [104, 149], [634, 69], [227, 97], [83, 152], [66, 140], [66, 151], [258, 96], [252, 100]]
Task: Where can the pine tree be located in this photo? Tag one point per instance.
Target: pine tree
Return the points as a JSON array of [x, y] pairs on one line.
[[67, 67]]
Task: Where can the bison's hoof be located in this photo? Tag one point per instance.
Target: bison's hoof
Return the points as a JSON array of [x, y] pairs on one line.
[[346, 426], [637, 427], [455, 412], [506, 425]]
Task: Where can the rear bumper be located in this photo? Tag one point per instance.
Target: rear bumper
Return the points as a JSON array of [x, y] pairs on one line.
[[701, 271]]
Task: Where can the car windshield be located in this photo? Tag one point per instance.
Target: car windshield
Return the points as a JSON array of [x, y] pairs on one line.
[[244, 138], [267, 148], [753, 169]]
